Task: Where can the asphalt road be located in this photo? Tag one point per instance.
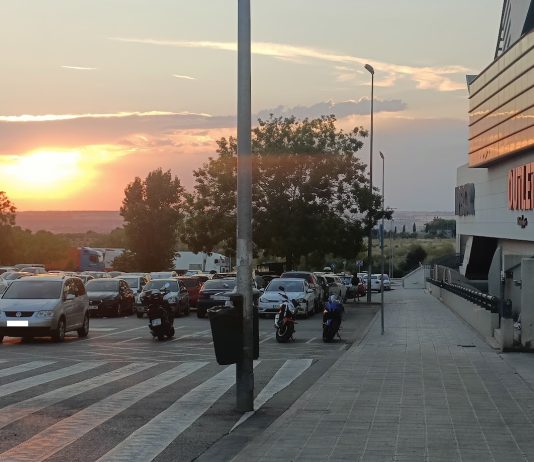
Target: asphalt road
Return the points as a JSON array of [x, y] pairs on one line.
[[120, 395]]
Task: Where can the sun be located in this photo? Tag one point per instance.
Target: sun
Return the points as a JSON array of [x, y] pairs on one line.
[[50, 174]]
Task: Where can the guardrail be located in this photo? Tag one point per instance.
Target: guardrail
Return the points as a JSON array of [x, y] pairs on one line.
[[489, 302]]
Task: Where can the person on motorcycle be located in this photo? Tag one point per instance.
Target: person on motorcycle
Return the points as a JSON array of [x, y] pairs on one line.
[[335, 305]]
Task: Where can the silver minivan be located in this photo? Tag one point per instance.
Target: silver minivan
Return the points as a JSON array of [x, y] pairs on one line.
[[42, 306]]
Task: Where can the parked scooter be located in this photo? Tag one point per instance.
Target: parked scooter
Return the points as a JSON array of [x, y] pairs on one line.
[[160, 315], [285, 319], [332, 315]]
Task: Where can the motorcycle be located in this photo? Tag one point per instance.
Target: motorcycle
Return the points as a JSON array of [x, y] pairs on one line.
[[285, 319], [160, 315], [332, 315]]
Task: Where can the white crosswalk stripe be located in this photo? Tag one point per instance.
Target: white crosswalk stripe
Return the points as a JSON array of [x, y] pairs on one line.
[[16, 411], [153, 436], [24, 368], [66, 431], [24, 384], [149, 440]]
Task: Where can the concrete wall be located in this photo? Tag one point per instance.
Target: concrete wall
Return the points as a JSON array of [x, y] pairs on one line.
[[482, 320]]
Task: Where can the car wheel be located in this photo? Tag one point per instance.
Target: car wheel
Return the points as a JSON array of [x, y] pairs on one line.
[[59, 333], [84, 330]]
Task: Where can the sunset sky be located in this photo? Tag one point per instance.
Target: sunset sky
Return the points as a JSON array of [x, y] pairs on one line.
[[97, 92]]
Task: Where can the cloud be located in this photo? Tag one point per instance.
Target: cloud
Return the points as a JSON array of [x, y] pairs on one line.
[[80, 68], [340, 110], [186, 77], [426, 77]]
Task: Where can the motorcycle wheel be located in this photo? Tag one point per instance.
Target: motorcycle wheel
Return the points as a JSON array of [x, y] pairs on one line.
[[328, 334], [161, 337], [284, 333]]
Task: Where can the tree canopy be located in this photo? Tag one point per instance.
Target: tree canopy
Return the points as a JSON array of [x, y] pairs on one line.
[[310, 191], [152, 210]]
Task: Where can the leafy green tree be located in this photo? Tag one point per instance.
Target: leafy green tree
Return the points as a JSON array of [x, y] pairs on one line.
[[116, 239], [415, 256], [152, 209], [309, 192], [441, 227], [7, 221]]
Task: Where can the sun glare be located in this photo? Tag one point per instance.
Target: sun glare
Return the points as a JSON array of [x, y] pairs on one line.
[[50, 174]]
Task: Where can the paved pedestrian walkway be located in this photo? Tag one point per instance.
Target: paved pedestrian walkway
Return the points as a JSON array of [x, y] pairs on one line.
[[429, 389]]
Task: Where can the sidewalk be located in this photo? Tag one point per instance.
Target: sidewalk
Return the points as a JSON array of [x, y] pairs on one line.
[[429, 389]]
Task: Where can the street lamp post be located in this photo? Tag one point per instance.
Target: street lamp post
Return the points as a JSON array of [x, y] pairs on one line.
[[369, 68], [382, 249]]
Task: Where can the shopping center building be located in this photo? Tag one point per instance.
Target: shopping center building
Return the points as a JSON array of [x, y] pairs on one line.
[[495, 189]]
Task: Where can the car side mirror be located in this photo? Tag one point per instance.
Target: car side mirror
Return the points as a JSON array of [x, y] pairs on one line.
[[70, 297]]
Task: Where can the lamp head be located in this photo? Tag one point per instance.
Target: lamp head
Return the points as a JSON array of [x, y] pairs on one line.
[[370, 69], [381, 155]]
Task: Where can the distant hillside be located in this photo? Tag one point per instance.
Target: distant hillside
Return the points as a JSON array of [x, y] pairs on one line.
[[70, 222], [104, 222]]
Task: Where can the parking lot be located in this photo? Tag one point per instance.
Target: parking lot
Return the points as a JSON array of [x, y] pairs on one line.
[[120, 395]]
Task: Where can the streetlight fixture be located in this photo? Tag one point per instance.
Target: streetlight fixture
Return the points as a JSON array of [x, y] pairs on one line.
[[382, 249], [369, 68]]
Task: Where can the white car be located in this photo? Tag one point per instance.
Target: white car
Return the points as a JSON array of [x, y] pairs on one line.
[[375, 282], [295, 289], [336, 286]]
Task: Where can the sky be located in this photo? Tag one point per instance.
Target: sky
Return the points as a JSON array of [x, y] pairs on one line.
[[95, 93]]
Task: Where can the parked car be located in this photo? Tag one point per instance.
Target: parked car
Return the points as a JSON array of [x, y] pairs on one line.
[[7, 269], [8, 278], [163, 274], [321, 280], [19, 266], [114, 274], [97, 274], [223, 275], [33, 270], [336, 287], [44, 306], [295, 288], [109, 297], [136, 283], [85, 278], [375, 282], [177, 296], [193, 285], [208, 290], [311, 279]]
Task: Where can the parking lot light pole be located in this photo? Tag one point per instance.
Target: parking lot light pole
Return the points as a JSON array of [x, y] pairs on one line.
[[244, 366], [371, 70], [382, 249]]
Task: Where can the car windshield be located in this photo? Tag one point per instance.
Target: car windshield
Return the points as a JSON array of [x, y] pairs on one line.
[[219, 284], [159, 283], [12, 276], [289, 286], [132, 282], [190, 282], [102, 285], [34, 290]]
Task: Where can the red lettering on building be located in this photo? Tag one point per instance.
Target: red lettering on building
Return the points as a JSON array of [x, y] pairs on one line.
[[521, 187]]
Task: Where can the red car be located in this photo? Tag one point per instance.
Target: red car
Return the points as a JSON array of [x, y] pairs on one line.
[[193, 285]]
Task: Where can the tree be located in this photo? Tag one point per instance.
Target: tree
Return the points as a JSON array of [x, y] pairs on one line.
[[310, 192], [415, 256], [414, 229], [7, 221], [152, 209], [441, 227]]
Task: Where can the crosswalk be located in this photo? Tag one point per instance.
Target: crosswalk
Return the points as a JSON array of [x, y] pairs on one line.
[[81, 400]]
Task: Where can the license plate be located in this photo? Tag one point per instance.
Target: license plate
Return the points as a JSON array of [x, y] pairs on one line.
[[156, 322], [17, 323]]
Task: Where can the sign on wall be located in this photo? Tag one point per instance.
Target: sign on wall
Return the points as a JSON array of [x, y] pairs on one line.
[[464, 203], [521, 187]]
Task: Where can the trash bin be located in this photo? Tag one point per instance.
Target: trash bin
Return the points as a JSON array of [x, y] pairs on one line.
[[227, 331]]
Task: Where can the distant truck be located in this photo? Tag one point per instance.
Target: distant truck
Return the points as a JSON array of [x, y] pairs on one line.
[[79, 259], [109, 256], [201, 261]]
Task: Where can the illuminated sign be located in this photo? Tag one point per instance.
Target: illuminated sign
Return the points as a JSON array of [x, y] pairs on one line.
[[521, 187], [464, 203]]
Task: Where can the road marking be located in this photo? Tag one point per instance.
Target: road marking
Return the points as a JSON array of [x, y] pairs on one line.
[[24, 408], [24, 384], [148, 441], [24, 367], [196, 334], [342, 347], [128, 340], [113, 333], [290, 371], [102, 329], [266, 338], [311, 340], [66, 431]]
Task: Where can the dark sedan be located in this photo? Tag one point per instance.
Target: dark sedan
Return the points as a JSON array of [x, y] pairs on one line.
[[110, 297], [208, 290]]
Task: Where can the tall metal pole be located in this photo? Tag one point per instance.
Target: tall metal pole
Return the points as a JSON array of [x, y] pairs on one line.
[[370, 237], [244, 367], [382, 249]]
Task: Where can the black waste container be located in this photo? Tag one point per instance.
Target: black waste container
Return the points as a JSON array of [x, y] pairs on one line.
[[227, 331]]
